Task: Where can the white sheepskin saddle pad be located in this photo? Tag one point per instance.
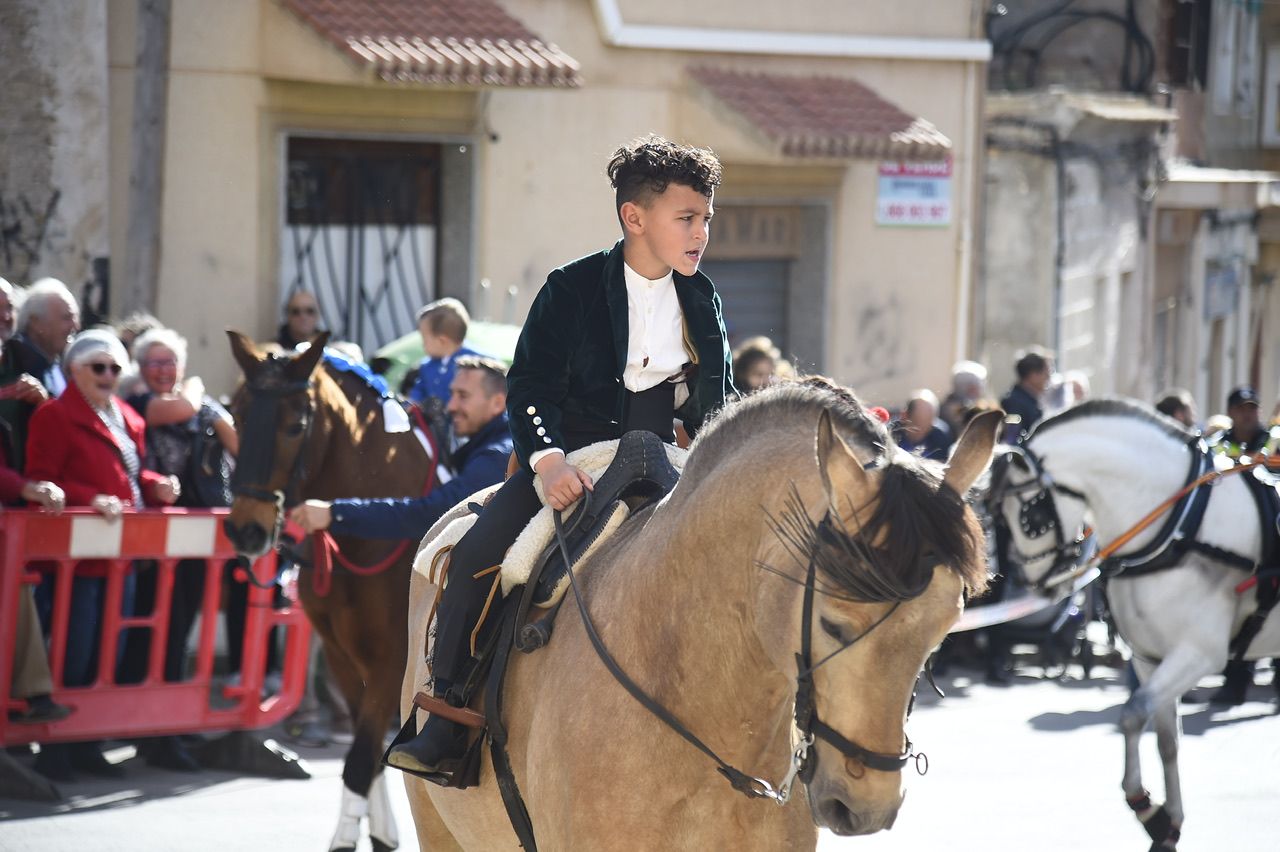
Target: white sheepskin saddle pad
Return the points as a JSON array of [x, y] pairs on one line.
[[537, 536]]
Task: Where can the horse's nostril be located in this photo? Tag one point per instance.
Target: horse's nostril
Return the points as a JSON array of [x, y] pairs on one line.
[[837, 817], [249, 539]]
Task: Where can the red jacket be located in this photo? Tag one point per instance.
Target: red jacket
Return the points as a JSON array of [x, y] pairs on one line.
[[69, 445]]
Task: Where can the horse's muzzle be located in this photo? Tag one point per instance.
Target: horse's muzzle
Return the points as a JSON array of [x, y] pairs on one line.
[[250, 540], [831, 811]]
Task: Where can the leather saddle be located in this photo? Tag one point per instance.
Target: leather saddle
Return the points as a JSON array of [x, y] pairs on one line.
[[639, 475]]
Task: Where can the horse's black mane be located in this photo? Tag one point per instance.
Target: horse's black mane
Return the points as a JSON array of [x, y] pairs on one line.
[[1118, 407], [923, 524]]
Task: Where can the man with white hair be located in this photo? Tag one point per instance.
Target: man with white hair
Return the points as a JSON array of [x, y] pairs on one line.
[[968, 385], [49, 317], [30, 366], [919, 430]]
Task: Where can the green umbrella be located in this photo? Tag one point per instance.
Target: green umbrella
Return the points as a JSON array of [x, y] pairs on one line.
[[495, 339]]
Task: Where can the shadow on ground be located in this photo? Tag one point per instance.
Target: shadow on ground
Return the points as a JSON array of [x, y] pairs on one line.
[[143, 783], [1196, 718]]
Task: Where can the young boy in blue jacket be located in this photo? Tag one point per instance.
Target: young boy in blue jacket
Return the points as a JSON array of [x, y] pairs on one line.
[[628, 338]]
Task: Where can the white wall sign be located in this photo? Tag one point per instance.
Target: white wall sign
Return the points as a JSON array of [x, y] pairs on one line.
[[916, 194]]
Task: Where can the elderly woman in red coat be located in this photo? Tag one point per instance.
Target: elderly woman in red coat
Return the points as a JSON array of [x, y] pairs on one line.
[[90, 443]]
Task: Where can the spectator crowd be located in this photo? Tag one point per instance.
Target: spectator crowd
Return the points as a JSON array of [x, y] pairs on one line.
[[112, 418]]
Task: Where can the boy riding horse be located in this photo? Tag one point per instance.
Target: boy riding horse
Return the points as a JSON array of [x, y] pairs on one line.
[[628, 338]]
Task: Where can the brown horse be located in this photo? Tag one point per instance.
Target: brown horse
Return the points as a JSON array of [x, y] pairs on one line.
[[701, 601], [308, 433]]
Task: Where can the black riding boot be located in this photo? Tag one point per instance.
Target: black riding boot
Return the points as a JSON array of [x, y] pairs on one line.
[[437, 748]]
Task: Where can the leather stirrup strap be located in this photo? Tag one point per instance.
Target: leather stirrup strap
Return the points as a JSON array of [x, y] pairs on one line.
[[445, 710], [503, 772]]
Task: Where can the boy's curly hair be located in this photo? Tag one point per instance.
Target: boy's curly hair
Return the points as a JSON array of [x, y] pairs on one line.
[[646, 166]]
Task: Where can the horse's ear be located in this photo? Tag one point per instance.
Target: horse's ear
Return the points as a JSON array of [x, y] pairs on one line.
[[842, 473], [300, 367], [246, 352], [973, 452]]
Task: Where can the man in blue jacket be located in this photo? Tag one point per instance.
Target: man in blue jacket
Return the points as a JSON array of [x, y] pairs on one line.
[[477, 407]]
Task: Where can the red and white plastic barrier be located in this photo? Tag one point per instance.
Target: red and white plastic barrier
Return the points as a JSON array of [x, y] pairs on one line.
[[34, 544]]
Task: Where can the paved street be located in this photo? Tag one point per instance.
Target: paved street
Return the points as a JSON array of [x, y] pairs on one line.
[[1032, 766]]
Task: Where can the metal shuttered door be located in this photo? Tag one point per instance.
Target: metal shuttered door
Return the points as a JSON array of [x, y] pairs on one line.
[[754, 293]]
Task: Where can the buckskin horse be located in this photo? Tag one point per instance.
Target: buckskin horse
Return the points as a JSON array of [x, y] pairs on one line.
[[1177, 596], [802, 559], [317, 433]]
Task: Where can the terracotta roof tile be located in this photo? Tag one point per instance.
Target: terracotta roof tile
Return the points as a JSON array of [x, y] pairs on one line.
[[820, 116], [460, 42]]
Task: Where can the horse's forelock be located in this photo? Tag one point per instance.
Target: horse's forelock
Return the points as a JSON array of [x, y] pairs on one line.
[[923, 524]]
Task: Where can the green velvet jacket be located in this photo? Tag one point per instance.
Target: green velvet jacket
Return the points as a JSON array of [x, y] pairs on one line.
[[568, 365]]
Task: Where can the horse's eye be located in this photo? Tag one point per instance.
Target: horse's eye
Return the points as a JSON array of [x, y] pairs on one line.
[[296, 429], [832, 629]]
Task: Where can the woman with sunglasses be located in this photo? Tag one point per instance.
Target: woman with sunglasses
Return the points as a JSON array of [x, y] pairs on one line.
[[90, 443]]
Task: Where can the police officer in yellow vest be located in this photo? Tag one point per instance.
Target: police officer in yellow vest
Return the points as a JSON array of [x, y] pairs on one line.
[[1244, 442], [1246, 438]]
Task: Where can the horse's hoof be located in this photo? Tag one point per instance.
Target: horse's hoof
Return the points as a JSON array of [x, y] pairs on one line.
[[1158, 825], [380, 846], [1161, 830]]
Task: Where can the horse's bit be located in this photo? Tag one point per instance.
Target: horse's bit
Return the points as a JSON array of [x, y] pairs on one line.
[[810, 727]]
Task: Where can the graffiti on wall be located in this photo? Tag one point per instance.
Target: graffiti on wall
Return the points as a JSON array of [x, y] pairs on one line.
[[28, 233], [881, 341]]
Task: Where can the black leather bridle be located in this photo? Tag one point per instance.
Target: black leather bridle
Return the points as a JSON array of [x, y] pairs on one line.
[[255, 464], [1038, 513], [808, 723]]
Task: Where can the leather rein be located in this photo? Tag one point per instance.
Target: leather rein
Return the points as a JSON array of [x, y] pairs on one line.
[[809, 727]]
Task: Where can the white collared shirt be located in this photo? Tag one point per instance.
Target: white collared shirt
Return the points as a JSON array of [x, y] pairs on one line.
[[655, 336], [54, 380]]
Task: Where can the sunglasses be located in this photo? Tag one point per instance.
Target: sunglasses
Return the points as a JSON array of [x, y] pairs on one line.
[[100, 368], [302, 312]]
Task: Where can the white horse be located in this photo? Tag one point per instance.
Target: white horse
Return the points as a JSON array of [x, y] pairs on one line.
[[1110, 463]]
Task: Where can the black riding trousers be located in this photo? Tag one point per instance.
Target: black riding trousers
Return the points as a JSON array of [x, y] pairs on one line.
[[484, 545]]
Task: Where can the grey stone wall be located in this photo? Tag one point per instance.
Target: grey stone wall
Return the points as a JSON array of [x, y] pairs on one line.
[[1096, 313], [1039, 43], [53, 139]]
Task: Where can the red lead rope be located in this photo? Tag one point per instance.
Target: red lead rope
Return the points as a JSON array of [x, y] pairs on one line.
[[324, 548]]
